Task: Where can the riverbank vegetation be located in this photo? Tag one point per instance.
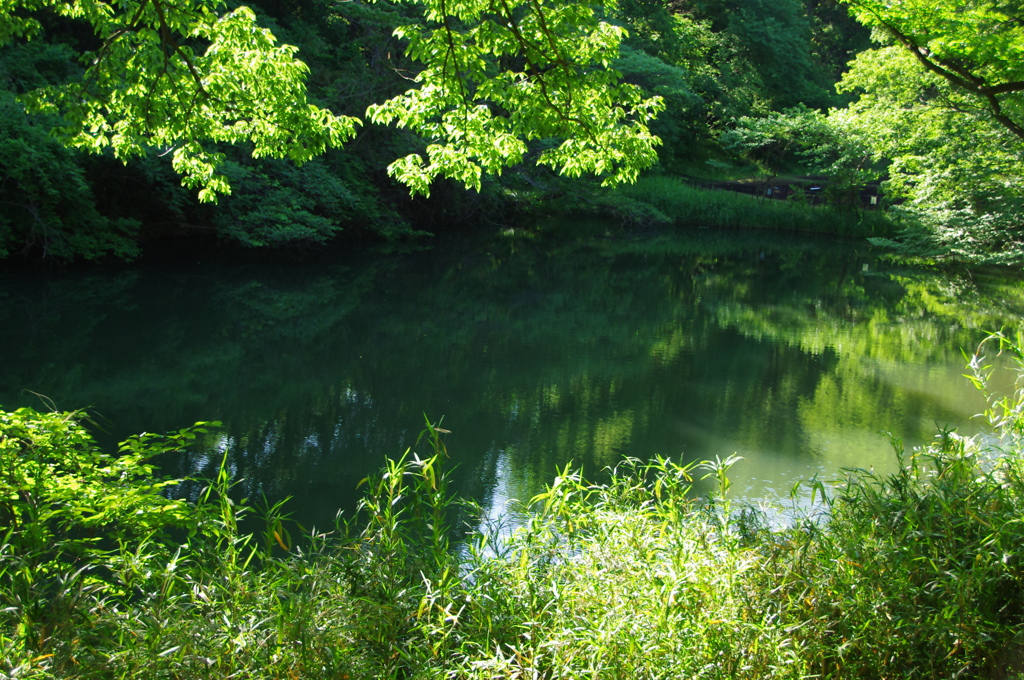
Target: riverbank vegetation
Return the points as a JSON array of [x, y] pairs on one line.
[[492, 125], [913, 574], [663, 200]]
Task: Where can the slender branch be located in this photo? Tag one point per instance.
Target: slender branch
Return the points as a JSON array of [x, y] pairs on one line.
[[108, 41], [167, 38], [563, 112], [960, 77], [553, 45], [1006, 121], [1014, 86], [452, 53], [167, 41], [513, 26]]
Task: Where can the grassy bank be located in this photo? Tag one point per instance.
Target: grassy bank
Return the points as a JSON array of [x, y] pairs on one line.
[[668, 200], [918, 574]]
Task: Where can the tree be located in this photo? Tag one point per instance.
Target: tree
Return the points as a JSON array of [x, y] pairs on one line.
[[802, 137], [943, 102], [974, 46], [776, 36], [176, 77], [48, 196], [47, 203], [181, 76]]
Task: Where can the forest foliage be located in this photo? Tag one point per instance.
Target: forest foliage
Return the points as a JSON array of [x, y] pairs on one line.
[[524, 104]]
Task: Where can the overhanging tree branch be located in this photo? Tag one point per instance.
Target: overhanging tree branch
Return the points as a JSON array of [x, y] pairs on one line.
[[957, 75]]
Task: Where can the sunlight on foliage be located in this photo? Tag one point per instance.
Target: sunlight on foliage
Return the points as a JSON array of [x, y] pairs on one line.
[[148, 86], [512, 73], [179, 78]]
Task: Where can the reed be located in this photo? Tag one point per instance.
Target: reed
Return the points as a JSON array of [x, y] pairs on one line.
[[669, 199]]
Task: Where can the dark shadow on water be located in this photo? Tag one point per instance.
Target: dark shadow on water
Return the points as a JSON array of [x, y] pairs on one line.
[[537, 350]]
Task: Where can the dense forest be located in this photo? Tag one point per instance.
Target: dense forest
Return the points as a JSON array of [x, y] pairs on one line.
[[123, 137], [155, 129]]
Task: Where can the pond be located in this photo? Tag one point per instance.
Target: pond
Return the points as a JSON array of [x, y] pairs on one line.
[[535, 349]]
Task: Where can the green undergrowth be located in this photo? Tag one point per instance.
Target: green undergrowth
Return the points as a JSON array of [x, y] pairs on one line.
[[918, 574], [662, 200]]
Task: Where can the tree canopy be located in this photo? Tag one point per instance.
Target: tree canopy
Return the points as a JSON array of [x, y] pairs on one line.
[[176, 77], [942, 102], [311, 108], [181, 76], [975, 47]]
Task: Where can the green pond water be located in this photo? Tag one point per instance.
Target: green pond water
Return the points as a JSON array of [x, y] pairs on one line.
[[536, 351]]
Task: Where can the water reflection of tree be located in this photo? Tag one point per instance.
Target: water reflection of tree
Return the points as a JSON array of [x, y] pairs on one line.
[[538, 350]]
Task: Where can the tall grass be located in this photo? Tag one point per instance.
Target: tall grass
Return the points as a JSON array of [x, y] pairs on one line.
[[918, 574], [672, 200]]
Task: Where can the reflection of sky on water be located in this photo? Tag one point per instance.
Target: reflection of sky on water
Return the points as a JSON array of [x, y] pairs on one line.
[[503, 505], [536, 353], [498, 503]]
